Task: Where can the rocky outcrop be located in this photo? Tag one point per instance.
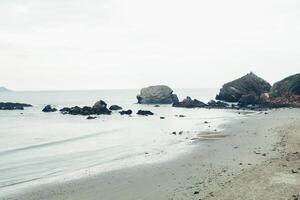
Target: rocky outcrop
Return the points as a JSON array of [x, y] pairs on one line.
[[248, 86], [217, 104], [48, 108], [144, 112], [188, 102], [126, 112], [99, 108], [13, 106], [115, 107], [286, 93], [159, 94]]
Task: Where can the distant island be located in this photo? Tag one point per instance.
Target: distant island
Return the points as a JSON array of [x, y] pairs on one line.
[[4, 89]]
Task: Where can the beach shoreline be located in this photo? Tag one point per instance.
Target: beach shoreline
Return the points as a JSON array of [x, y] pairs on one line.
[[207, 173]]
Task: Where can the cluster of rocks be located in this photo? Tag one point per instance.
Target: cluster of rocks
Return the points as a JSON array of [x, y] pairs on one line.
[[99, 108], [13, 106], [251, 90], [188, 102]]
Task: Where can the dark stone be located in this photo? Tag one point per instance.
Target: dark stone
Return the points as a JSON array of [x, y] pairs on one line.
[[144, 112], [250, 83], [162, 117], [217, 104], [115, 107], [13, 106], [188, 102], [126, 112], [249, 99], [98, 109], [90, 117], [48, 108]]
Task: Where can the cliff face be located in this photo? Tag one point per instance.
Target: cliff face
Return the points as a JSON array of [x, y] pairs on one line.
[[238, 89], [286, 92]]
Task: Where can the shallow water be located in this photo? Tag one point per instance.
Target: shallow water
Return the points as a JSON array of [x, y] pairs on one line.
[[36, 146]]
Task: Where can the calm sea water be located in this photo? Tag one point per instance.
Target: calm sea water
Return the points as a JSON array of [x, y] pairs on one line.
[[36, 147]]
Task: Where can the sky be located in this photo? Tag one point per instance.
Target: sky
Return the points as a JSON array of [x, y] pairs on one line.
[[116, 44]]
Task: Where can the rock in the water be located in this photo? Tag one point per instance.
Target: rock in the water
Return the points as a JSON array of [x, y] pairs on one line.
[[90, 117], [144, 112], [48, 108], [126, 112], [188, 102], [159, 94], [217, 104], [99, 108], [248, 84], [13, 106], [115, 107], [286, 93]]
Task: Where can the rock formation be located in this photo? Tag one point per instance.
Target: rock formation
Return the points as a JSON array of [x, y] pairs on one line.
[[248, 86], [144, 112], [99, 108], [188, 102], [48, 108], [159, 94], [286, 93], [13, 106]]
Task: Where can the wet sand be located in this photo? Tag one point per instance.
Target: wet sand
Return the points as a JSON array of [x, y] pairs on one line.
[[253, 158]]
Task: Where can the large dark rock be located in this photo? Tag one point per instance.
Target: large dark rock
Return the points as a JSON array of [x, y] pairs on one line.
[[48, 108], [159, 94], [115, 107], [126, 112], [144, 112], [248, 84], [286, 93], [13, 106], [188, 102], [99, 108], [249, 99]]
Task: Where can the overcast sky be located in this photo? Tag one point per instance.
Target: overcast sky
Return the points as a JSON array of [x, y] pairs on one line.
[[103, 44]]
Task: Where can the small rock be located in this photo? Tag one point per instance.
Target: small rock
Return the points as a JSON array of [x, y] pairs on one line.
[[48, 108], [144, 112], [294, 171], [126, 112], [174, 133], [162, 117], [90, 117], [115, 107]]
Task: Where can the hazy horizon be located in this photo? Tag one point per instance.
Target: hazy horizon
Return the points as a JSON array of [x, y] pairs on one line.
[[77, 45]]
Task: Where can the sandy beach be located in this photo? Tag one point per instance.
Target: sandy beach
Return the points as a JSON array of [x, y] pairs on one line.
[[256, 157]]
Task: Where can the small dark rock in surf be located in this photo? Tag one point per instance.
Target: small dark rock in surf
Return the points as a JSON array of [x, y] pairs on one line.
[[144, 112], [115, 107], [126, 112], [48, 108], [90, 117]]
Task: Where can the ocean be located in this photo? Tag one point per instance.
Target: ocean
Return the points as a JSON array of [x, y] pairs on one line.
[[37, 147]]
